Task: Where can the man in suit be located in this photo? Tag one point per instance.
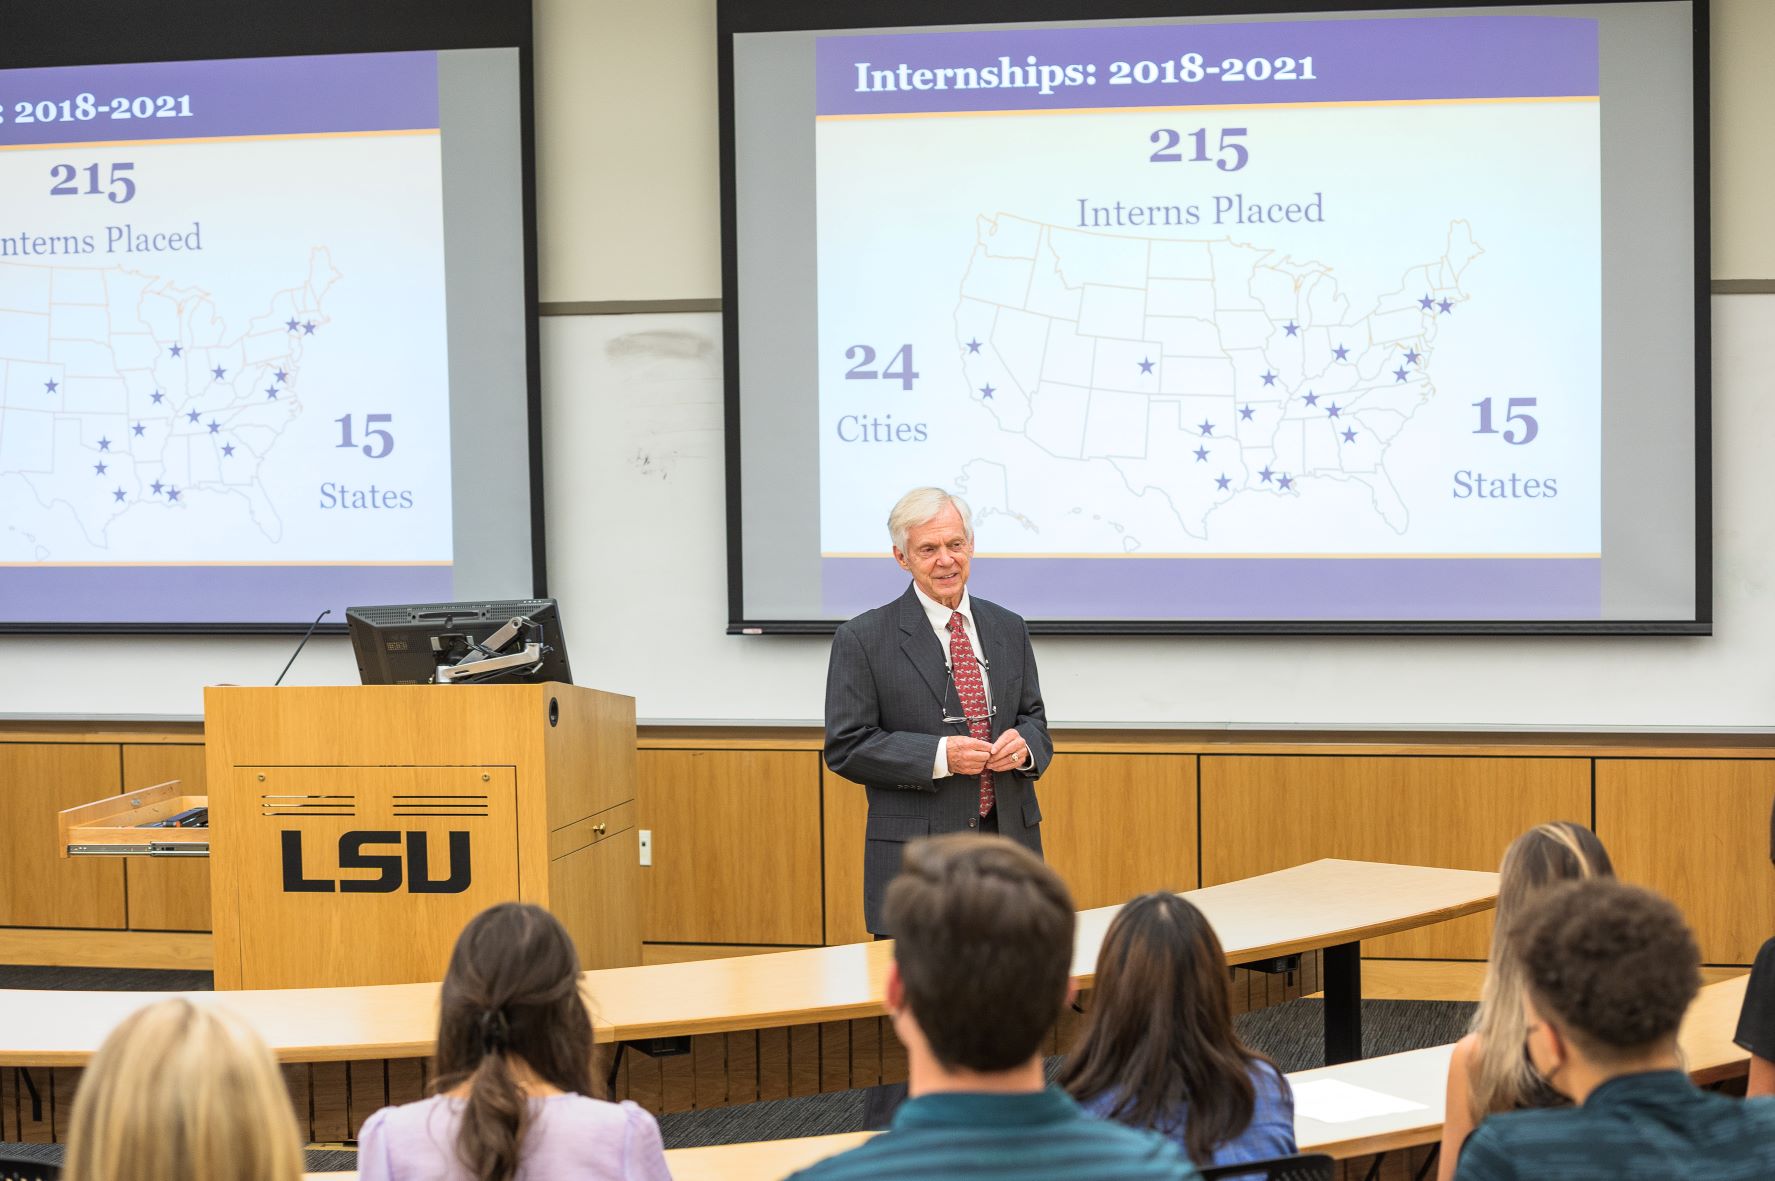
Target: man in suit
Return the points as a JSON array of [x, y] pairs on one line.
[[932, 703]]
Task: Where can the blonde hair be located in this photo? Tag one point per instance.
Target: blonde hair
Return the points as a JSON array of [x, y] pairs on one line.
[[921, 505], [1501, 1079], [181, 1091]]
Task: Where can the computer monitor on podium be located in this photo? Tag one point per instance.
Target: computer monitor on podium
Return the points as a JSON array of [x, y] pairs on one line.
[[498, 641]]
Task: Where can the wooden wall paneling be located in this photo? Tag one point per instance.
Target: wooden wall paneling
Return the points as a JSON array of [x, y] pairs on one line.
[[64, 1082], [736, 846], [368, 1093], [804, 1060], [166, 893], [646, 1081], [328, 1083], [1118, 825], [866, 1051], [592, 891], [677, 1074], [296, 1080], [1264, 813], [38, 886], [835, 1056], [1697, 831], [845, 814], [708, 1054], [893, 1054], [742, 1066], [773, 1063]]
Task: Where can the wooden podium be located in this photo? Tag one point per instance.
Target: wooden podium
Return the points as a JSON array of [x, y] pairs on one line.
[[355, 830]]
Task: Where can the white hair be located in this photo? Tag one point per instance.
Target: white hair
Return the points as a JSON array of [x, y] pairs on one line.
[[921, 505]]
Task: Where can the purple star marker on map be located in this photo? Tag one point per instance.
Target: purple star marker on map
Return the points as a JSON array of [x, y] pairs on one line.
[[973, 347], [219, 372], [1400, 374], [1146, 365], [291, 325], [1331, 411], [175, 350], [171, 492], [1426, 303], [1207, 427], [117, 495], [156, 486], [1223, 482], [1446, 307], [99, 468], [1349, 435], [227, 450], [157, 396], [1269, 378], [986, 391], [1340, 352], [192, 416], [280, 375], [308, 328], [215, 427], [1284, 483], [136, 430], [1291, 328], [1201, 455], [1311, 399], [1266, 473], [1245, 413], [50, 386], [104, 443], [1411, 356], [271, 391]]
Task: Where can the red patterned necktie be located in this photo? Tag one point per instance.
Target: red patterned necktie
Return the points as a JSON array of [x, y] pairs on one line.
[[972, 692]]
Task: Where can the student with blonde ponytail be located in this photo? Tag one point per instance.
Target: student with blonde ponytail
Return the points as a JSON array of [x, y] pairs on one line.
[[1489, 1071], [181, 1091], [517, 1097]]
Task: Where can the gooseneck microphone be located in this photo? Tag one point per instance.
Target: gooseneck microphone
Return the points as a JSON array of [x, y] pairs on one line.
[[299, 647]]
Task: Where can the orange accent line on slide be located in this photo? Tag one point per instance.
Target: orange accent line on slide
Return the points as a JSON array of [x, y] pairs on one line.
[[1374, 102], [212, 139]]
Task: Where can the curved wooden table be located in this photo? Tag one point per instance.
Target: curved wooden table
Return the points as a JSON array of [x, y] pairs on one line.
[[1327, 904]]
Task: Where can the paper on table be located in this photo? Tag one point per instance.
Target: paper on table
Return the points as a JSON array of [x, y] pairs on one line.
[[1333, 1101]]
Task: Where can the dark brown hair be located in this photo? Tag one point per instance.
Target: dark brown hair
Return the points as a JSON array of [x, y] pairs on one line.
[[1613, 964], [983, 939], [512, 991], [1159, 1037]]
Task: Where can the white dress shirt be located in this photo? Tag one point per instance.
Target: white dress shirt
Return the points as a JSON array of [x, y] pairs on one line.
[[939, 616]]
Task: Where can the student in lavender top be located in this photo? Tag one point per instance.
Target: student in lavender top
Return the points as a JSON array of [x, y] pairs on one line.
[[517, 1097], [1159, 1051]]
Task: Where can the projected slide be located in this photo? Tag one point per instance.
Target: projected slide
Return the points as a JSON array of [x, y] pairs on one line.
[[1282, 320], [222, 339]]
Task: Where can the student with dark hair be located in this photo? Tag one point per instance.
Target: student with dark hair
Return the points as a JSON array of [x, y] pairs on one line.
[[1159, 1050], [1610, 971], [982, 955], [514, 1061], [1756, 1023]]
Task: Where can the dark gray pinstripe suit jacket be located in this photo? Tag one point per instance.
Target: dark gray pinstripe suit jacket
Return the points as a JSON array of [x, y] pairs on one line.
[[885, 699]]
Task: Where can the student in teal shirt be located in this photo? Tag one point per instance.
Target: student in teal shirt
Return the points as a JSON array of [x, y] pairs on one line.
[[983, 947], [1611, 969]]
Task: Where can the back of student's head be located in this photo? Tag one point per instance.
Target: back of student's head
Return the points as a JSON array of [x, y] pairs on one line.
[[1613, 966], [1544, 856], [1160, 1031], [983, 940], [180, 1090], [512, 991]]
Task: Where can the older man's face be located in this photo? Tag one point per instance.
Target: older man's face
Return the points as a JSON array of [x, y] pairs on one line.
[[937, 554]]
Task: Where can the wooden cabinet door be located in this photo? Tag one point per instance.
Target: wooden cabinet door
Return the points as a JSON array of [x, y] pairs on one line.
[[736, 846], [38, 886], [1697, 831], [166, 893], [1119, 825]]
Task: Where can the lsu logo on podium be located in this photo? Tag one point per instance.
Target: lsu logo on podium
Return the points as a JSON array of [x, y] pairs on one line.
[[379, 850]]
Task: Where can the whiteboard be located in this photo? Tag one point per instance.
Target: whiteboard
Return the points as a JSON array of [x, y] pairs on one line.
[[636, 520]]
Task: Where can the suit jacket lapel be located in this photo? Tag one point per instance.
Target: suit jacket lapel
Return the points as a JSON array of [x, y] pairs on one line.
[[920, 644]]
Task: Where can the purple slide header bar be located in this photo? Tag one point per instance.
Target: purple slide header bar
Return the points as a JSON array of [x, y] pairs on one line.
[[238, 96], [210, 594], [1185, 65], [1267, 589]]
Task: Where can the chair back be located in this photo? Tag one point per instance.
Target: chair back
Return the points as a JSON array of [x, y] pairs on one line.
[[27, 1168], [1306, 1166]]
